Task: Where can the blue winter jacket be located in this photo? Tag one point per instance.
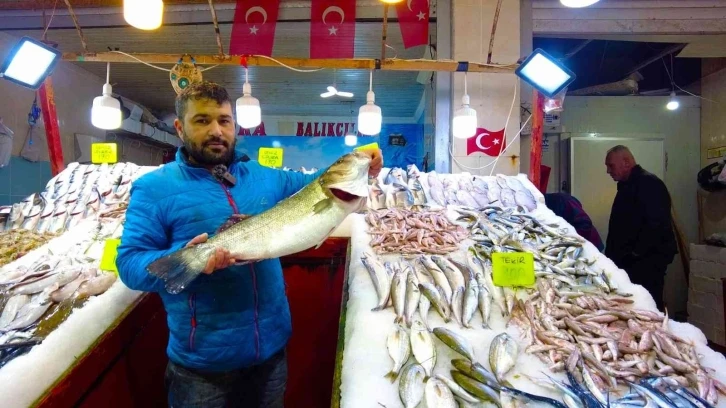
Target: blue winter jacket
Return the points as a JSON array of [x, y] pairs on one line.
[[233, 318]]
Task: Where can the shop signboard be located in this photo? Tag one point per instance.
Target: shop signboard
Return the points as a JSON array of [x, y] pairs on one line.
[[316, 129], [513, 269]]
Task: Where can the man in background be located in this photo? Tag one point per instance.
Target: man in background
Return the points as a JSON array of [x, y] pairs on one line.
[[641, 239], [570, 209]]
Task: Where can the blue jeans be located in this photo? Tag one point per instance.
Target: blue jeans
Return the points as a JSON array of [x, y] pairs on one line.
[[260, 386]]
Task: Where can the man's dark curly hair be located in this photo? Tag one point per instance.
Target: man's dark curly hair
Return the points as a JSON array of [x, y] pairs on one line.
[[199, 91]]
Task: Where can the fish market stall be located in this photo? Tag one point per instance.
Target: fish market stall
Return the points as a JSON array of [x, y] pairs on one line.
[[58, 304], [422, 321]]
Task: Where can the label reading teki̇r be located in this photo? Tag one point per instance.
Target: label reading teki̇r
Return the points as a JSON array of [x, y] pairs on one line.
[[104, 153], [270, 156], [108, 259], [513, 269]]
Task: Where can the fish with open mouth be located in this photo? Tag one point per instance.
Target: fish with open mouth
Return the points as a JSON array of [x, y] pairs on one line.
[[309, 217]]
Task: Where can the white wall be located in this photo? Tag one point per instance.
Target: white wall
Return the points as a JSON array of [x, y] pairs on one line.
[[713, 135], [491, 94], [74, 89], [636, 116]]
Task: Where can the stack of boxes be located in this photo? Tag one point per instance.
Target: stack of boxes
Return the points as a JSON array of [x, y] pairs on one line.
[[706, 291]]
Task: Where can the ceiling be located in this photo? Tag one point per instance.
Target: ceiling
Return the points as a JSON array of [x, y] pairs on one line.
[[280, 91]]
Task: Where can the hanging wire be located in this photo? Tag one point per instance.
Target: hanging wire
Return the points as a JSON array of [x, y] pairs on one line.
[[674, 84], [108, 72], [216, 27], [49, 21], [370, 82], [78, 26], [287, 66]]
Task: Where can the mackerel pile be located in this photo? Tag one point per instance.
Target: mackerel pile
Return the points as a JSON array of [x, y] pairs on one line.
[[575, 319]]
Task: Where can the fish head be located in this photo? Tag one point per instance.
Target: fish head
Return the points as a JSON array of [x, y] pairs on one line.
[[347, 178]]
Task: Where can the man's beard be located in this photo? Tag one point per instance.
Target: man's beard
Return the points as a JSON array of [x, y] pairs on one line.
[[203, 155]]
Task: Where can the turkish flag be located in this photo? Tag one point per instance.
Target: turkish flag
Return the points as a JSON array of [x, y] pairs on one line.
[[413, 18], [487, 142], [253, 31], [332, 29]]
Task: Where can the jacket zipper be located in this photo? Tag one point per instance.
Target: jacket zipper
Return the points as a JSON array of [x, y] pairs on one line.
[[254, 279], [193, 310]]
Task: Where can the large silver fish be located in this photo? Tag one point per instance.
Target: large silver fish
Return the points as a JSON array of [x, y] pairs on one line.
[[503, 354], [411, 385], [399, 348], [308, 217]]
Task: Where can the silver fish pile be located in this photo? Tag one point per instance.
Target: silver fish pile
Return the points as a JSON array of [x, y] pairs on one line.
[[577, 321], [477, 192], [413, 232], [78, 192]]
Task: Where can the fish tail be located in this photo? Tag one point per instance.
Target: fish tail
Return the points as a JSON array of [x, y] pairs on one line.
[[392, 376], [181, 267]]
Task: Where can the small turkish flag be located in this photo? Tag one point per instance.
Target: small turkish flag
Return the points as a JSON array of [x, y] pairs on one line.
[[332, 29], [413, 18], [487, 142], [253, 31]]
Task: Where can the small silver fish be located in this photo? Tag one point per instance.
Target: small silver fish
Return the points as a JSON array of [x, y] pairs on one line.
[[398, 292], [438, 395], [422, 346], [503, 354], [399, 348], [413, 295], [471, 301], [411, 386]]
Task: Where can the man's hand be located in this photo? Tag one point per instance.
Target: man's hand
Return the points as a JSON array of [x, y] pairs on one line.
[[220, 259], [376, 162]]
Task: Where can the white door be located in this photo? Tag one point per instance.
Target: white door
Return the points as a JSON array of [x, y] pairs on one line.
[[589, 180]]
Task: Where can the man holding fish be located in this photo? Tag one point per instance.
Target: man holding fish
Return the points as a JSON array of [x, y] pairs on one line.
[[228, 316]]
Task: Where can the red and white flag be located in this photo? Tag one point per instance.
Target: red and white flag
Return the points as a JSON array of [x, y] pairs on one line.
[[332, 29], [253, 31], [487, 142], [413, 18]]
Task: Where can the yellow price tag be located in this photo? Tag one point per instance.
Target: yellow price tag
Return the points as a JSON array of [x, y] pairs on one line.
[[104, 153], [270, 156], [108, 259], [371, 146], [513, 269]]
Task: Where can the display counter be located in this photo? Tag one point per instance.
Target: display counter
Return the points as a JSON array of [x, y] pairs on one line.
[[363, 359]]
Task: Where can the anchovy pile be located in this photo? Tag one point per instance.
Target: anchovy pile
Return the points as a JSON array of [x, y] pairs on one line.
[[81, 191], [413, 232], [576, 320], [16, 243]]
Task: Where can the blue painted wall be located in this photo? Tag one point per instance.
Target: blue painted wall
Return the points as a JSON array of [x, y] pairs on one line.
[[21, 178], [300, 151]]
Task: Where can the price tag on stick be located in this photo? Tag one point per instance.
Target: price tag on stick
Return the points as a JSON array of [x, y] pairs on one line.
[[513, 269]]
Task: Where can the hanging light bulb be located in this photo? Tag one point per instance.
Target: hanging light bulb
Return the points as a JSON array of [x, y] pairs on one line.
[[144, 14], [369, 116], [578, 3], [391, 1], [249, 114], [106, 110], [673, 104], [464, 125]]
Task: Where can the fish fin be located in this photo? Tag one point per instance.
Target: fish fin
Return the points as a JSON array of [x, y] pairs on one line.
[[233, 220], [322, 205], [392, 376], [181, 267]]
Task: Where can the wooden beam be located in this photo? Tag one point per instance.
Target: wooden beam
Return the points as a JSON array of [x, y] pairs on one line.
[[48, 4], [304, 63]]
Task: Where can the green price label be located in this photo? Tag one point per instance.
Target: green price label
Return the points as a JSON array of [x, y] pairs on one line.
[[270, 156], [513, 269], [108, 259]]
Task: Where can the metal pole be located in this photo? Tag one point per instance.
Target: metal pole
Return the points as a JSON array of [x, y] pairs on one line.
[[535, 155], [52, 131]]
